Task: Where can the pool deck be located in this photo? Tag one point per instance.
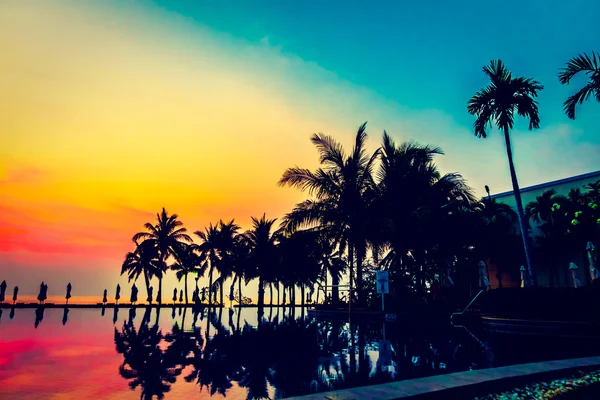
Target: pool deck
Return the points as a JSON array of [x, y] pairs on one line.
[[439, 383]]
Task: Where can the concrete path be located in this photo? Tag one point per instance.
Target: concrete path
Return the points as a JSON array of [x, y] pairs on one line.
[[422, 386]]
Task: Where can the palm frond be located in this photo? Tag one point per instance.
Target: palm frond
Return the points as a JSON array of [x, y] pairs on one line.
[[578, 98], [582, 63]]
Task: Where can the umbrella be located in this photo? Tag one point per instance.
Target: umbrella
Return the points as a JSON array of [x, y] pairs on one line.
[[118, 294], [104, 299], [134, 292], [573, 268], [523, 281], [2, 291], [15, 293], [181, 296], [174, 295], [592, 256], [484, 282], [149, 298], [68, 295]]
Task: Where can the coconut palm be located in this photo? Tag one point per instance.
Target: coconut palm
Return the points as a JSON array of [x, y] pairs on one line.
[[416, 213], [142, 261], [496, 105], [228, 233], [187, 260], [209, 249], [588, 65], [262, 260], [168, 236], [341, 189]]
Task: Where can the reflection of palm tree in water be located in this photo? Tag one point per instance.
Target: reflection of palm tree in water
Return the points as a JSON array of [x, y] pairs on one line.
[[144, 363]]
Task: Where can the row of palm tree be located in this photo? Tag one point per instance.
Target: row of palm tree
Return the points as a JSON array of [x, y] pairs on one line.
[[390, 209]]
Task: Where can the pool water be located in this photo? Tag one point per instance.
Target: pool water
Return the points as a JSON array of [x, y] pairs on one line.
[[179, 354]]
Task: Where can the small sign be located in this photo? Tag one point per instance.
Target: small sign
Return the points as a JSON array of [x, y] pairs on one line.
[[382, 282], [390, 317]]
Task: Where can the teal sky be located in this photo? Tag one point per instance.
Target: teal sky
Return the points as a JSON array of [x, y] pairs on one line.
[[424, 54]]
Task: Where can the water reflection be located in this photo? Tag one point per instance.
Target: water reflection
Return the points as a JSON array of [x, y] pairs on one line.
[[220, 352]]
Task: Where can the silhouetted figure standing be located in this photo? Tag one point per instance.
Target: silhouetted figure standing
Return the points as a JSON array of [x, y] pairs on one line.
[[181, 296], [175, 296], [149, 298], [15, 294], [134, 291], [43, 295], [104, 299], [2, 291], [65, 316], [68, 296], [118, 294]]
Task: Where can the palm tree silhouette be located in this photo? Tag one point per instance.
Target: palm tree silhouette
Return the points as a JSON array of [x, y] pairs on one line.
[[144, 362], [168, 237], [187, 261], [209, 249], [341, 188], [228, 237], [262, 260], [588, 65], [496, 104], [143, 261]]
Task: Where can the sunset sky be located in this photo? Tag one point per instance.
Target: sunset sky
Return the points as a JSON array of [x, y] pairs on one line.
[[110, 110]]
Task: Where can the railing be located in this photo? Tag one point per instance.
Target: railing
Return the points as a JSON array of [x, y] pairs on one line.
[[469, 305]]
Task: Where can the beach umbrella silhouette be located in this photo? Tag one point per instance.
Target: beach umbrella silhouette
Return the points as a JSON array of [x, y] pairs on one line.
[[484, 282], [195, 298], [42, 295], [118, 294], [2, 291], [104, 299], [103, 311], [181, 296], [68, 296], [134, 293], [174, 295], [573, 268], [591, 255], [15, 294], [39, 316], [65, 316], [115, 315], [149, 298], [12, 313]]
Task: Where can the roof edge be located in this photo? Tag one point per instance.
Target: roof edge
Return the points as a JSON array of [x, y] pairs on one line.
[[548, 184]]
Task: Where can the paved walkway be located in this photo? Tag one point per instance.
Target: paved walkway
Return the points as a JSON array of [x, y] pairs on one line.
[[421, 386]]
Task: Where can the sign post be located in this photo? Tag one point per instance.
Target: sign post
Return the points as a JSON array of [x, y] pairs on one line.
[[383, 286]]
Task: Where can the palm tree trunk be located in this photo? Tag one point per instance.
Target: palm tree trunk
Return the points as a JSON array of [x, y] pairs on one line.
[[302, 294], [284, 295], [240, 290], [270, 294], [359, 276], [520, 212], [186, 292], [221, 291], [261, 292], [210, 284], [160, 291], [147, 280], [277, 288], [351, 266]]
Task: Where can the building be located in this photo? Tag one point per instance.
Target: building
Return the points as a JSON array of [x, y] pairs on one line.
[[529, 194]]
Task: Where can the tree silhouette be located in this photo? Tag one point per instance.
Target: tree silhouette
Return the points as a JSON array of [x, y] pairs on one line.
[[187, 261], [496, 104], [587, 65], [168, 236]]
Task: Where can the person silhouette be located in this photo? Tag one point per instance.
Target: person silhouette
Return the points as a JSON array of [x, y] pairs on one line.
[[15, 294], [104, 299], [68, 296], [134, 294], [2, 291], [149, 298], [118, 294]]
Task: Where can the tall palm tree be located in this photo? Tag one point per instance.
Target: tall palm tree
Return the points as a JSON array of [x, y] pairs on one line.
[[228, 232], [588, 65], [209, 249], [143, 261], [341, 190], [263, 257], [496, 105], [187, 261], [168, 235]]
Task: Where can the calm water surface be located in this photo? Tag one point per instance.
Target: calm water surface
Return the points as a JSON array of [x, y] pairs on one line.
[[179, 354]]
